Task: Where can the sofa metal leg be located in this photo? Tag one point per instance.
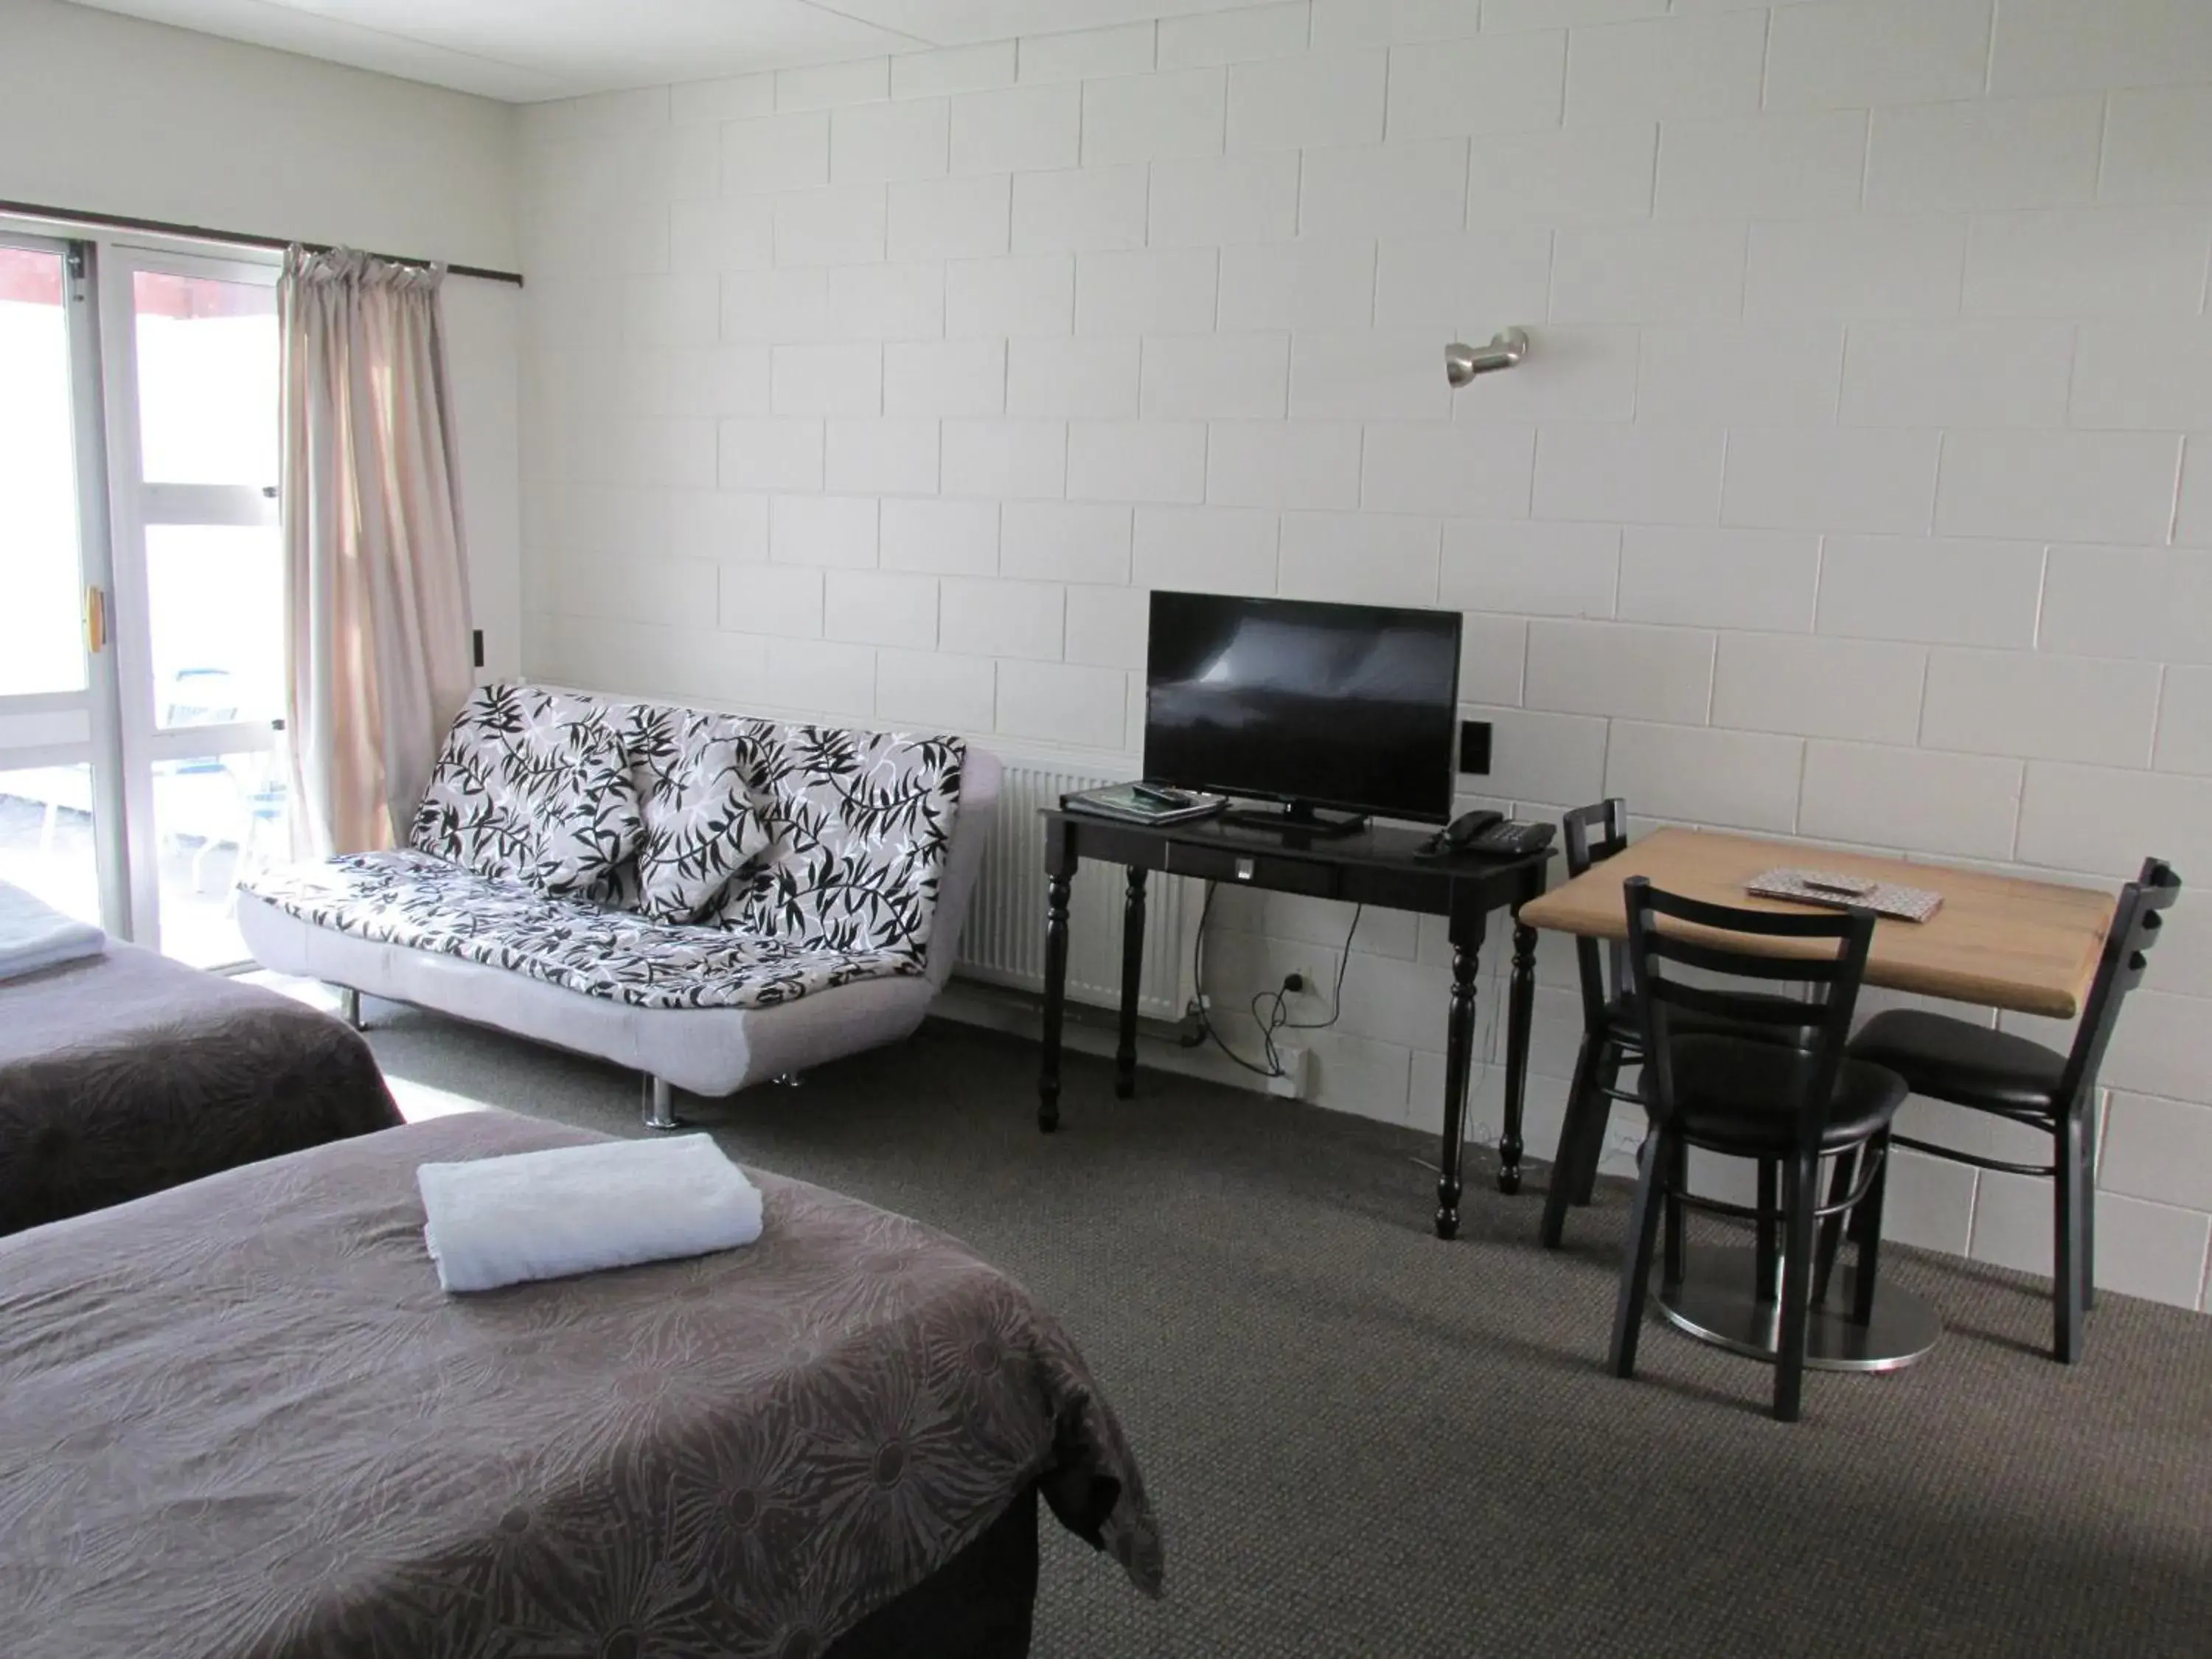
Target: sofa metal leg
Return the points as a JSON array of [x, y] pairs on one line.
[[349, 1008], [660, 1104]]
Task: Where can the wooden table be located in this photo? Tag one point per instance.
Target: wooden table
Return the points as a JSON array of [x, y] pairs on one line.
[[2000, 942]]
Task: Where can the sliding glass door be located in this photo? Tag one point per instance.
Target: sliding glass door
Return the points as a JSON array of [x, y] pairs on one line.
[[142, 619], [199, 580], [61, 821]]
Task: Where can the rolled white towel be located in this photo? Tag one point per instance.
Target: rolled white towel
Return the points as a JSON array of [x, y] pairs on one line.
[[34, 935], [497, 1221]]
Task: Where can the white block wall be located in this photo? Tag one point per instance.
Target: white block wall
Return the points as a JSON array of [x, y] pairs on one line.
[[1859, 488]]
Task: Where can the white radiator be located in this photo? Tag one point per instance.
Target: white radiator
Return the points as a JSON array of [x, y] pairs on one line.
[[1003, 943]]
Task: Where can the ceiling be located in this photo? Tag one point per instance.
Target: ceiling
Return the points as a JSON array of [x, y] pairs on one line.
[[524, 51]]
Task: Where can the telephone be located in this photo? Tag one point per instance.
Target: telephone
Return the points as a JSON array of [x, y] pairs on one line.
[[1463, 830], [1485, 831]]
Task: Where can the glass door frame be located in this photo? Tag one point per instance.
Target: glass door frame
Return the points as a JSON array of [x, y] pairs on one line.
[[98, 701], [136, 506]]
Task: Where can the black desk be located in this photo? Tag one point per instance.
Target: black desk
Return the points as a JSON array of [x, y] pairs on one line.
[[1376, 866]]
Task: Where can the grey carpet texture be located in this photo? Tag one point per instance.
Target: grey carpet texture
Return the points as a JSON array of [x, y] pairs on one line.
[[1362, 1441]]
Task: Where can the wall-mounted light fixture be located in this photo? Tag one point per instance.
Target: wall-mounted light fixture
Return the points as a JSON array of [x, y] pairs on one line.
[[1463, 362]]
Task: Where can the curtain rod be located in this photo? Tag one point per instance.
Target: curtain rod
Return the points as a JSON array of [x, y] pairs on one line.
[[229, 238]]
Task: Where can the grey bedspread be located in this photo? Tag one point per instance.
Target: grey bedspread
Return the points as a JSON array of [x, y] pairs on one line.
[[240, 1419], [127, 1073]]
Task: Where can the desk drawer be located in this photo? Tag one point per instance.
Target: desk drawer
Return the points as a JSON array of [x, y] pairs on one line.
[[1271, 871]]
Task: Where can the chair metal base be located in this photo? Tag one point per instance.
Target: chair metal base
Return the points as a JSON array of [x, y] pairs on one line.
[[1717, 1302]]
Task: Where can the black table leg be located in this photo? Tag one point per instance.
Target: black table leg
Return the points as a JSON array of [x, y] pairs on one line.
[[1458, 1065], [1133, 974], [1521, 1009], [1055, 997]]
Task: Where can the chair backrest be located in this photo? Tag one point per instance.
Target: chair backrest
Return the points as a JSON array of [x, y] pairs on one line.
[[1819, 1025], [1593, 834], [2137, 923]]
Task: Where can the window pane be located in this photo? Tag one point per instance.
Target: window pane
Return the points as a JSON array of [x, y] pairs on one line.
[[45, 837], [207, 379], [217, 818], [216, 602], [41, 642]]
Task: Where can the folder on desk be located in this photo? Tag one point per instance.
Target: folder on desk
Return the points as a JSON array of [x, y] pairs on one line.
[[1122, 801]]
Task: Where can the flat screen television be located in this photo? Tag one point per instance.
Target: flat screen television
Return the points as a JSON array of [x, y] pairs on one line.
[[1353, 708]]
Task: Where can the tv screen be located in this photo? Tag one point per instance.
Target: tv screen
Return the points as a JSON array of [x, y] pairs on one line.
[[1352, 707]]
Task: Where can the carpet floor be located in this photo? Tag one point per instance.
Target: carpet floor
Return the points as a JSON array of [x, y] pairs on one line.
[[1363, 1442]]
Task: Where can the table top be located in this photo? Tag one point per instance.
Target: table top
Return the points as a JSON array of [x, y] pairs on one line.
[[1379, 864], [1998, 941], [1382, 845]]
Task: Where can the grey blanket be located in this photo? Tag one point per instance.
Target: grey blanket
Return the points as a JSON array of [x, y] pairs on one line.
[[126, 1074], [240, 1419]]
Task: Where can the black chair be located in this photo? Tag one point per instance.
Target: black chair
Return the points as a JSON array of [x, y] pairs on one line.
[[2011, 1077], [1610, 1038], [1789, 1096]]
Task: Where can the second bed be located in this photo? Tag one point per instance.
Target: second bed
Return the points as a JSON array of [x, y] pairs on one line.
[[240, 1418]]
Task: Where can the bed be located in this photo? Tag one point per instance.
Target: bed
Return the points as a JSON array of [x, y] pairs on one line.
[[240, 1418], [125, 1073]]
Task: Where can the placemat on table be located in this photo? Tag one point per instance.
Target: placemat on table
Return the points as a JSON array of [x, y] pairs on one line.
[[1824, 887]]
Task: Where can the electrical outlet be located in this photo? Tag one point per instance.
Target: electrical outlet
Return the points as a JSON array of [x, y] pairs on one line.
[[1624, 1143], [1298, 1068]]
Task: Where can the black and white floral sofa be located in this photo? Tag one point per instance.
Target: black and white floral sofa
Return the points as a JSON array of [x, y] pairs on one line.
[[711, 899]]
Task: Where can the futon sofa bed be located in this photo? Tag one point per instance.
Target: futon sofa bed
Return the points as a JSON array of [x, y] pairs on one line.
[[711, 899]]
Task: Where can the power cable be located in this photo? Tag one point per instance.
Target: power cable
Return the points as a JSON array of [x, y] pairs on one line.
[[1277, 1018]]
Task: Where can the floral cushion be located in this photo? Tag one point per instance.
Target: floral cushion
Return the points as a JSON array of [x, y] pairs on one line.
[[589, 823], [700, 827], [859, 826], [506, 777], [424, 902]]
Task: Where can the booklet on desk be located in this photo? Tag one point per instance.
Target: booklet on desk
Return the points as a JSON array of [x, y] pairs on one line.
[[1143, 803]]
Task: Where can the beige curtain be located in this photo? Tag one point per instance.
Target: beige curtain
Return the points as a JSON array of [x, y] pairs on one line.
[[377, 607]]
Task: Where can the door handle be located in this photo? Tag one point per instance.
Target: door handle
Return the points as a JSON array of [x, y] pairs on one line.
[[95, 620]]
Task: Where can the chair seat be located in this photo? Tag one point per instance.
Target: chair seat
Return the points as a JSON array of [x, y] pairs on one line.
[[1735, 1095], [1948, 1059]]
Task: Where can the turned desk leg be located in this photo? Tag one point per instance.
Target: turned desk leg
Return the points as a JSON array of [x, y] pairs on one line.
[[1133, 974], [1521, 1008], [1055, 998], [1458, 1065]]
